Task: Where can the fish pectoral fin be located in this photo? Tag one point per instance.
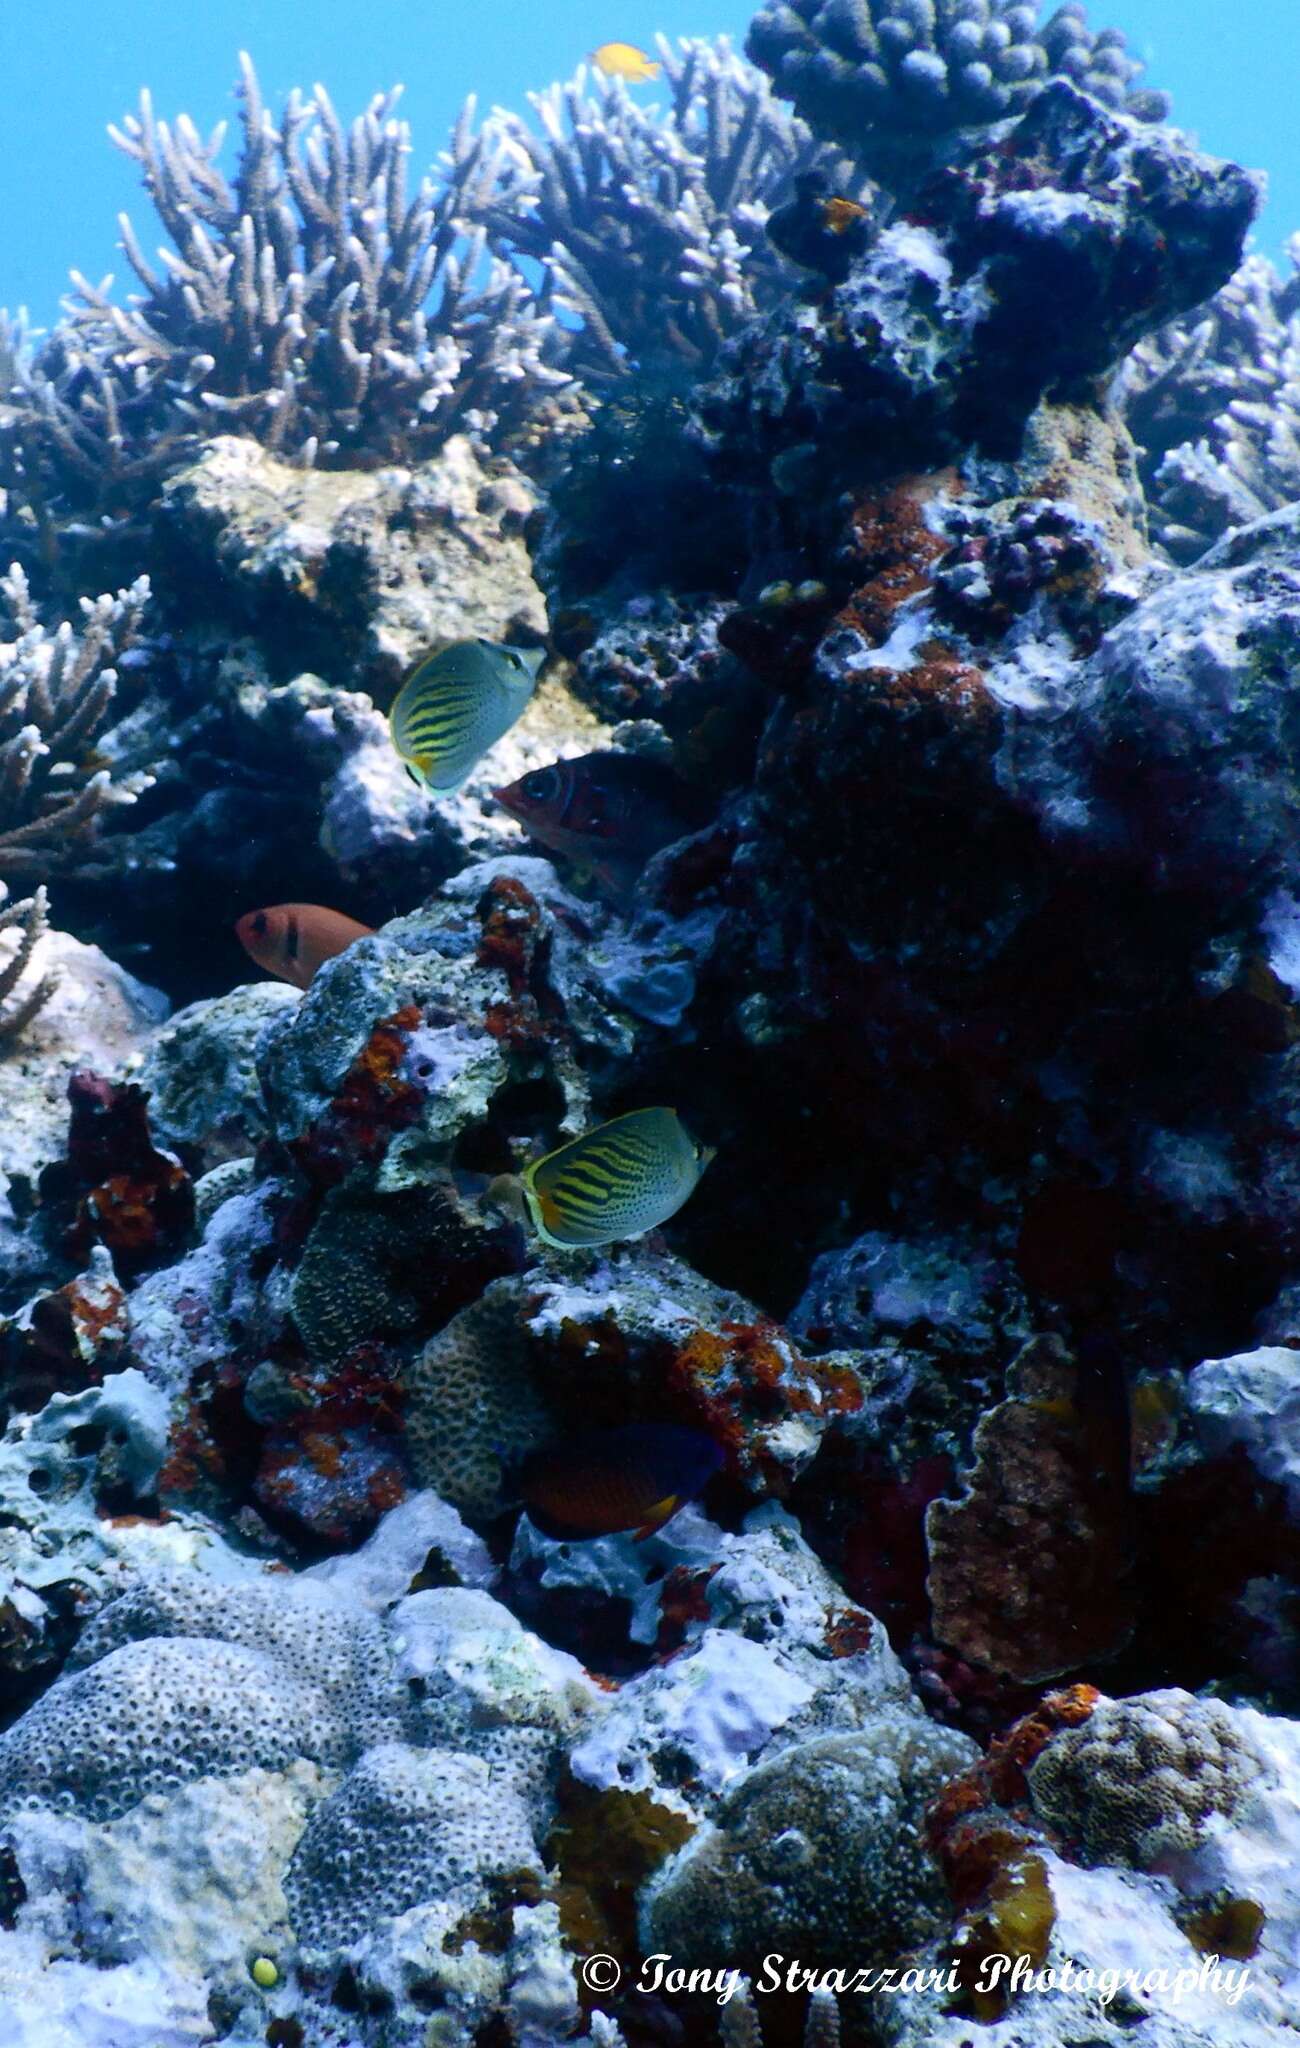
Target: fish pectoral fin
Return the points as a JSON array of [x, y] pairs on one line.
[[655, 1517]]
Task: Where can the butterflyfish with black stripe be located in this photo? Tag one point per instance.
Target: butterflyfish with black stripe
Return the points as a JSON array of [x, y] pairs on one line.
[[618, 1180], [458, 704]]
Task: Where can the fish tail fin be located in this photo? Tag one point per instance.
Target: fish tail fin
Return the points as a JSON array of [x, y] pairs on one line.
[[655, 1517]]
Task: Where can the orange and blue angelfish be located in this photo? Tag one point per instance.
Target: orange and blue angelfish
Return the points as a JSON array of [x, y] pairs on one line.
[[292, 940], [624, 60], [604, 1482], [607, 812]]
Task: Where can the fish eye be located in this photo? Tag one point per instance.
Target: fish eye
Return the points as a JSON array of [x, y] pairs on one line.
[[259, 925], [541, 784]]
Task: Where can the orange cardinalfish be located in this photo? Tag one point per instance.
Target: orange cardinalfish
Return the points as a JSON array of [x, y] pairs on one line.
[[603, 1482], [624, 60], [608, 812], [294, 939]]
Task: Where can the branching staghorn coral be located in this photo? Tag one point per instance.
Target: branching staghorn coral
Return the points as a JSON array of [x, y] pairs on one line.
[[312, 302], [30, 920], [1213, 402], [56, 691], [648, 221], [889, 76]]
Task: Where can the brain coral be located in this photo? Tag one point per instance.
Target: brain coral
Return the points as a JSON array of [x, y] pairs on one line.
[[1140, 1778], [154, 1715], [407, 1827], [471, 1401], [337, 1649], [818, 1853]]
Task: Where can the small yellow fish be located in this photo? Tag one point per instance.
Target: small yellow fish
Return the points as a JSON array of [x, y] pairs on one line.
[[624, 60], [456, 705], [618, 1180], [839, 214]]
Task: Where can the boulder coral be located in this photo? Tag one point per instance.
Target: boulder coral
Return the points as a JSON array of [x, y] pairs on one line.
[[819, 1854]]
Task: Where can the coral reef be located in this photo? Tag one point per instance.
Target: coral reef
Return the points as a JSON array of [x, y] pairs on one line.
[[313, 301], [649, 222], [836, 459], [1213, 402], [406, 1826], [1140, 1780], [1049, 1492], [816, 1854]]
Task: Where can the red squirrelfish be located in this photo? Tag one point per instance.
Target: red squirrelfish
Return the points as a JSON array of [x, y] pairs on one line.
[[609, 812], [294, 939], [603, 1481]]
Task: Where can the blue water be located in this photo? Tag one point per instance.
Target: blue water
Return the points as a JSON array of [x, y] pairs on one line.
[[67, 68]]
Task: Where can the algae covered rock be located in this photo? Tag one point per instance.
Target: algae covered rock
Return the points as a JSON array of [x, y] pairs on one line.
[[201, 1075], [408, 1038], [1195, 684], [359, 572], [818, 1853], [95, 1017]]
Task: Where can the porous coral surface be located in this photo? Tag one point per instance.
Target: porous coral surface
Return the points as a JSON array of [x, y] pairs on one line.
[[898, 493]]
